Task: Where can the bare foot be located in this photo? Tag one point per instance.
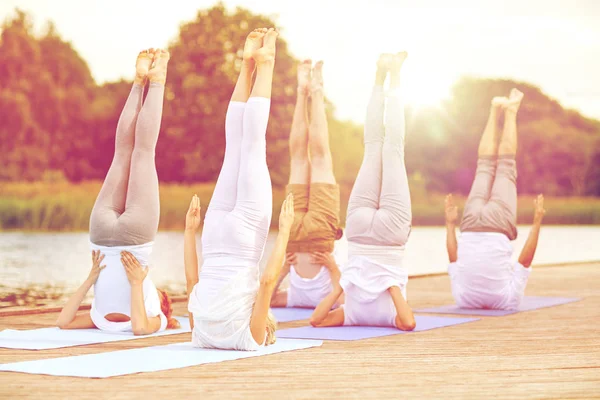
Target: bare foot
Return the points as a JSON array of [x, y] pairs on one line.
[[254, 41], [316, 84], [500, 101], [514, 100], [384, 62], [158, 72], [383, 67], [142, 65], [266, 54], [304, 69], [396, 61]]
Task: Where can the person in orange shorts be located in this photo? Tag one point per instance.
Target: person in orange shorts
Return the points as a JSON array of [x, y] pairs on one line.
[[316, 198]]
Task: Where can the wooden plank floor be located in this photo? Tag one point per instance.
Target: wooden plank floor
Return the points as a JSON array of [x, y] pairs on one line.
[[548, 353]]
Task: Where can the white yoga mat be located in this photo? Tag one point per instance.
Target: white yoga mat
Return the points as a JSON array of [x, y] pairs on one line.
[[54, 338], [146, 359]]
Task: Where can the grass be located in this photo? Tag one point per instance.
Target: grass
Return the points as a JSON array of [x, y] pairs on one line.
[[63, 206]]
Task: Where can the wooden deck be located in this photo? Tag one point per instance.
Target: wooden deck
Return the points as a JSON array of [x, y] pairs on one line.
[[548, 353]]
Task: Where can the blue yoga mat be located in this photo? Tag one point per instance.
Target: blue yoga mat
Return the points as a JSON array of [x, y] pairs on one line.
[[55, 338], [146, 359], [529, 303], [424, 323], [284, 314]]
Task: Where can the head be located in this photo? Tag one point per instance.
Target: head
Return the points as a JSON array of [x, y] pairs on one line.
[[271, 328], [167, 308]]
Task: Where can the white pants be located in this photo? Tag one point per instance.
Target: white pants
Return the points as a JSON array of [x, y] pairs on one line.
[[239, 215], [379, 210]]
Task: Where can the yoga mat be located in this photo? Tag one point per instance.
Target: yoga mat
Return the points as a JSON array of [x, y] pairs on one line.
[[146, 359], [55, 338], [284, 314], [424, 323], [529, 303]]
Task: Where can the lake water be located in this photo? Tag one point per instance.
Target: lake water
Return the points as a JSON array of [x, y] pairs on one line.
[[41, 268]]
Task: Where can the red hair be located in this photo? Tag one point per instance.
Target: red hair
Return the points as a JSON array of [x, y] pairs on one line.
[[166, 307]]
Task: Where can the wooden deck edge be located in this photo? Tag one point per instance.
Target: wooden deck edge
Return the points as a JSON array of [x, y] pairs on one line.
[[180, 299]]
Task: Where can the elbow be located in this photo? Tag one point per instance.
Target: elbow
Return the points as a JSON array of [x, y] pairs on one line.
[[525, 262], [406, 325], [315, 321], [139, 329]]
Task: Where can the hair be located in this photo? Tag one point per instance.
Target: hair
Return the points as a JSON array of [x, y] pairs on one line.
[[271, 328], [167, 309]]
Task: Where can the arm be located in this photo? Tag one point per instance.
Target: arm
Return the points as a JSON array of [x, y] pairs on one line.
[[405, 320], [323, 316], [190, 254], [451, 212], [68, 318], [140, 323], [270, 276], [328, 261], [526, 257], [290, 259]]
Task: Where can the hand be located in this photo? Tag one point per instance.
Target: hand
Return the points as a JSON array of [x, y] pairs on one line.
[[291, 259], [286, 217], [325, 259], [539, 209], [96, 267], [192, 218], [134, 270], [451, 211]]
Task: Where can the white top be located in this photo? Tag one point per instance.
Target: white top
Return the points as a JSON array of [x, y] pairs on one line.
[[366, 280], [112, 290], [222, 303], [308, 292], [484, 276]]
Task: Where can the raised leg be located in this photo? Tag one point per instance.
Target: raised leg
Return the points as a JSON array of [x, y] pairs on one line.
[[392, 222], [139, 223], [110, 203], [500, 214], [254, 191], [299, 161], [364, 198], [225, 193], [320, 152], [486, 170]]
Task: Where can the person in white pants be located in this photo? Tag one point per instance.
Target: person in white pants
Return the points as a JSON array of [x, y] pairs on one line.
[[229, 300], [379, 220]]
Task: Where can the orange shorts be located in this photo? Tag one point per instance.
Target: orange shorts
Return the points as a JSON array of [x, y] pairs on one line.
[[317, 217]]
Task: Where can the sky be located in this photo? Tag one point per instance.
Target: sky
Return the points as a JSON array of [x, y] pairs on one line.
[[551, 43]]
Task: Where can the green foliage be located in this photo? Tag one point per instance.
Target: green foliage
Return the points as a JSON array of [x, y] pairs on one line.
[[57, 205], [56, 118]]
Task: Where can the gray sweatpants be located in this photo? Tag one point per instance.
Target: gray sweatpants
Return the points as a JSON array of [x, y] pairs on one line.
[[379, 210], [492, 202], [127, 209]]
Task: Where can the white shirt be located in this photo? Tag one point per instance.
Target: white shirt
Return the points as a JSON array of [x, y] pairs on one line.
[[366, 280], [222, 302], [484, 276], [308, 292], [112, 290]]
